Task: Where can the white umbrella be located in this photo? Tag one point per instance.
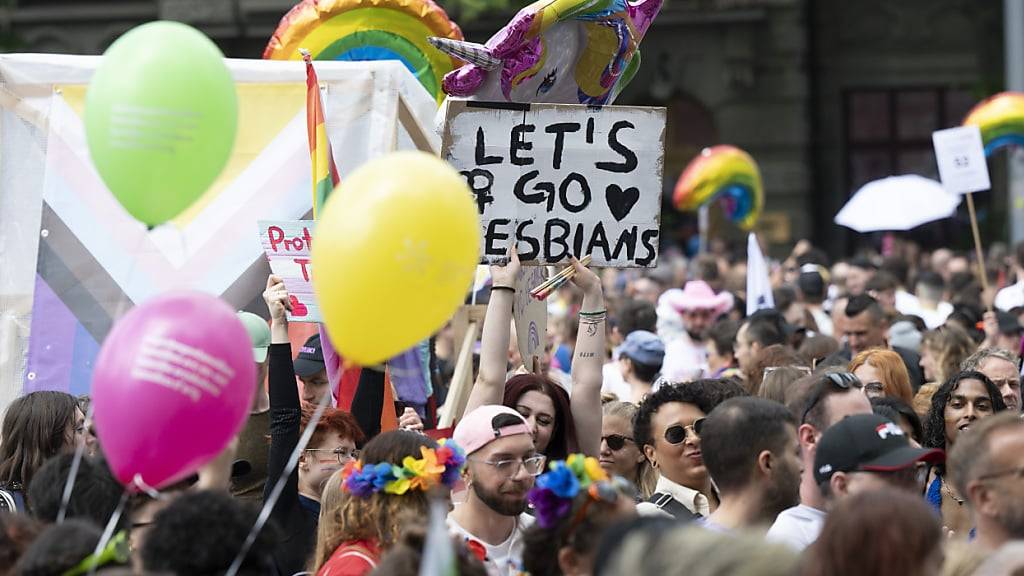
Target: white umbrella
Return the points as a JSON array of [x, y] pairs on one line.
[[897, 203]]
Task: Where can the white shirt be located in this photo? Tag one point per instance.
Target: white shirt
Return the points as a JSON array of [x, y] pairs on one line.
[[933, 318], [684, 359], [505, 559], [1010, 297], [823, 320], [693, 500], [797, 527], [613, 383]]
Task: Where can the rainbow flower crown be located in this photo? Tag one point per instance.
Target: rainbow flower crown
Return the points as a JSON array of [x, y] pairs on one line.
[[553, 494], [440, 466]]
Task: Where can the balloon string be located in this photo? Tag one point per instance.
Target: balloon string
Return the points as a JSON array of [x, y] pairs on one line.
[[149, 490], [76, 462], [108, 532], [268, 506]]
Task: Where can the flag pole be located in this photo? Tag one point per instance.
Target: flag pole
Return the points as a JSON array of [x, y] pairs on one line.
[[977, 245]]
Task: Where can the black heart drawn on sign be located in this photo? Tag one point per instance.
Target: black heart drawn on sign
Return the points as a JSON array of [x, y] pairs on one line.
[[620, 201]]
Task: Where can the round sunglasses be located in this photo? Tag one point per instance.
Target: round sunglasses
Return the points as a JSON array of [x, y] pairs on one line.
[[676, 433]]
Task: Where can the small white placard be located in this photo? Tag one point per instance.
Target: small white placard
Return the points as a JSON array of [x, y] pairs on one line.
[[961, 159]]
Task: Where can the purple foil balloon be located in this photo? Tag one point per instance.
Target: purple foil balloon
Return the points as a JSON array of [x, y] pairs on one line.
[[173, 384]]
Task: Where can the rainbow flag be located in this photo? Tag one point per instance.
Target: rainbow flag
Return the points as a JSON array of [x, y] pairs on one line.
[[325, 173]]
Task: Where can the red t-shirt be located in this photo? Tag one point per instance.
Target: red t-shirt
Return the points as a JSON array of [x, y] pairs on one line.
[[353, 558]]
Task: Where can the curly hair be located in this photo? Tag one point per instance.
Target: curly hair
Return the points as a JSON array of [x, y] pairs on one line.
[[935, 421], [378, 517], [704, 394], [563, 436]]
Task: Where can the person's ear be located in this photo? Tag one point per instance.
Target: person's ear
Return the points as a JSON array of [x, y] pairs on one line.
[[303, 463], [765, 462], [649, 453], [640, 456], [839, 484], [807, 436], [982, 499]]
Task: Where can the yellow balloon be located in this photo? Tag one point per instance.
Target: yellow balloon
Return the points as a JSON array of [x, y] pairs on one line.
[[394, 254]]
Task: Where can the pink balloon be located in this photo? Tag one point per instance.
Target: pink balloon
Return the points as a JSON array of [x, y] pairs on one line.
[[173, 384]]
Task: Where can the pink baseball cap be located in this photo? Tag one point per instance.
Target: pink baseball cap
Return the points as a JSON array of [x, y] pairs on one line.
[[486, 424]]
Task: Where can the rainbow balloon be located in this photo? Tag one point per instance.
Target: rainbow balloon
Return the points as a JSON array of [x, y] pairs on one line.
[[725, 173], [1000, 119], [361, 30]]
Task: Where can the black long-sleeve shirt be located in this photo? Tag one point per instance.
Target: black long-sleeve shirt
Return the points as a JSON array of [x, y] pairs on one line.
[[297, 521]]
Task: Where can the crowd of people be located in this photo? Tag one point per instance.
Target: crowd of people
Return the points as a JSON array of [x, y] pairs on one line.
[[868, 423]]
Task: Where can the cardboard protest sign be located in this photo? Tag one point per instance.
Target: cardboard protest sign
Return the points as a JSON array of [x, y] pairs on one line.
[[562, 179], [530, 316], [287, 245]]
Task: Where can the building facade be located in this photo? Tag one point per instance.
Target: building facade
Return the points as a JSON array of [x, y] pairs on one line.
[[825, 94]]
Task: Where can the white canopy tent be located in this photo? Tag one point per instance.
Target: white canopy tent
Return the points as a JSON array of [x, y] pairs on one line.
[[73, 260]]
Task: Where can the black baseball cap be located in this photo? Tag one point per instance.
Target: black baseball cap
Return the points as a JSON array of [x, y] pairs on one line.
[[867, 443], [1008, 323], [310, 359]]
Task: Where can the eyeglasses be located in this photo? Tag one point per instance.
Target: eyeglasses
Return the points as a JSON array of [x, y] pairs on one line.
[[1017, 472], [676, 433], [343, 455], [616, 441], [873, 389], [533, 465], [840, 380]]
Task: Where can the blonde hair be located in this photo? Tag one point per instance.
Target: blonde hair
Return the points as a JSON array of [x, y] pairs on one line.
[[892, 370], [328, 530], [951, 346], [645, 476]]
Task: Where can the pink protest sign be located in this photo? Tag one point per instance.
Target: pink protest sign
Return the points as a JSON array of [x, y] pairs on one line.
[[287, 244]]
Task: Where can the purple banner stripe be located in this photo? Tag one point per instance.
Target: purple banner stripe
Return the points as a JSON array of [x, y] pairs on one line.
[[50, 347]]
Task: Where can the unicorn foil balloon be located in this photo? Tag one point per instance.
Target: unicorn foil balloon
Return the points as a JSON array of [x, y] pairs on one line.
[[557, 51]]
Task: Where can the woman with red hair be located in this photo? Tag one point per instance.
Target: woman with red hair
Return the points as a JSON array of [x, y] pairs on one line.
[[561, 426], [883, 374], [335, 441]]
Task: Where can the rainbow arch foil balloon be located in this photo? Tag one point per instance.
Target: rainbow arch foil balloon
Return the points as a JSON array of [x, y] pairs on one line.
[[727, 174], [556, 51], [1000, 119], [361, 30]]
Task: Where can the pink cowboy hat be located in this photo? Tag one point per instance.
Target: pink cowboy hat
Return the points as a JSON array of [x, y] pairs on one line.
[[697, 295]]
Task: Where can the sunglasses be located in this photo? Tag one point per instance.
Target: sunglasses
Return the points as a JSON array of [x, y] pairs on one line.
[[840, 381], [616, 441], [676, 433], [803, 369]]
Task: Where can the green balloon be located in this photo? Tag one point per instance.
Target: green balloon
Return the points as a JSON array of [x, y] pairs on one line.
[[161, 115]]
